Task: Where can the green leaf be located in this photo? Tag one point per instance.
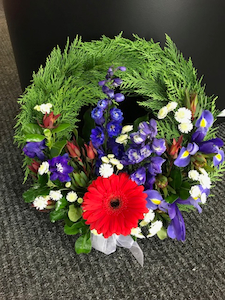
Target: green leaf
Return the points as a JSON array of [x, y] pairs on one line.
[[34, 192], [185, 207], [57, 148], [60, 128], [32, 129], [61, 203], [171, 198], [34, 137], [177, 179], [74, 213], [139, 120], [83, 244], [56, 215], [89, 124], [43, 179], [184, 190], [162, 233], [75, 228]]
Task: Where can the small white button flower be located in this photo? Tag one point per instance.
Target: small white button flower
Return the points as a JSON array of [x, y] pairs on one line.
[[205, 181], [105, 159], [137, 232], [122, 139], [119, 167], [41, 202], [94, 231], [114, 161], [45, 108], [68, 184], [185, 127], [71, 196], [106, 170], [37, 107], [155, 227], [171, 106], [44, 168], [183, 115], [162, 112], [195, 192], [55, 195], [127, 128], [110, 156], [193, 174], [148, 218]]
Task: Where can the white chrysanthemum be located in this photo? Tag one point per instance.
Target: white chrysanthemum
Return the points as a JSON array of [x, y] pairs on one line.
[[55, 195], [68, 184], [137, 232], [114, 161], [119, 167], [122, 139], [162, 112], [41, 202], [183, 115], [195, 192], [105, 159], [171, 106], [37, 107], [71, 196], [45, 108], [205, 181], [193, 174], [148, 218], [185, 127], [106, 170], [154, 228], [203, 171], [44, 168], [94, 231], [127, 128]]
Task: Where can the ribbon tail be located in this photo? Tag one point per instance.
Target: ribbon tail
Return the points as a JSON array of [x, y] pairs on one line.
[[129, 243], [106, 246]]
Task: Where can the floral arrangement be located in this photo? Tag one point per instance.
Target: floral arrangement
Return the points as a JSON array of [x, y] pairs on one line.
[[116, 182]]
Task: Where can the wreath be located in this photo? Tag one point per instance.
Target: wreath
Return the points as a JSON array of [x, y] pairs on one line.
[[118, 138]]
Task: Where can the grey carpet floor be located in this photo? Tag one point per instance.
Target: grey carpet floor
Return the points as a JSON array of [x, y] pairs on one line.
[[37, 261]]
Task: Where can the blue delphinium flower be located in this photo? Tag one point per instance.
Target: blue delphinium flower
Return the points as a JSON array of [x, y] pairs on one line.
[[158, 146], [113, 128], [33, 149], [155, 165], [116, 115], [139, 176], [134, 156], [59, 168], [118, 97], [145, 151], [148, 129], [97, 137], [137, 138], [97, 115], [103, 104]]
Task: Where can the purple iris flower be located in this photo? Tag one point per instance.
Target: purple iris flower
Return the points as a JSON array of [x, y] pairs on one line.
[[149, 129], [97, 136], [155, 165], [137, 138], [103, 104], [59, 168], [33, 149], [205, 120], [195, 202], [210, 146], [145, 151], [199, 135], [118, 97], [113, 128], [218, 158], [155, 200], [150, 180], [158, 146], [139, 176], [116, 115], [134, 156], [176, 229], [184, 156]]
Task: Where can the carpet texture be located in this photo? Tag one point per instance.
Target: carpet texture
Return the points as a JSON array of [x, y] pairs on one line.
[[38, 261]]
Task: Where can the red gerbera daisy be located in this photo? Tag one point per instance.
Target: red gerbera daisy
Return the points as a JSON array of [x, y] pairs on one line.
[[114, 205]]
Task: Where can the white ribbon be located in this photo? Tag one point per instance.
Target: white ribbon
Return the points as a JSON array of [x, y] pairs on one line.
[[108, 246]]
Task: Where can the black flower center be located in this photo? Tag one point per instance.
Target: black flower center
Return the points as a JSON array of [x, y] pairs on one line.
[[115, 203]]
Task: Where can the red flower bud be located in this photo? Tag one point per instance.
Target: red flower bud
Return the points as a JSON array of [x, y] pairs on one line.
[[173, 151], [194, 102], [73, 149], [91, 151], [34, 166], [49, 120]]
